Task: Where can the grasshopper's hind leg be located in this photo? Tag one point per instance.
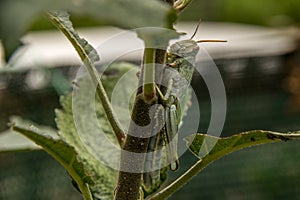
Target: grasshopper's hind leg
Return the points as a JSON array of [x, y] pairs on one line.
[[172, 137]]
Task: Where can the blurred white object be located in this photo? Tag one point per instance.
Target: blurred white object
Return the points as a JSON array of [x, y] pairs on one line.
[[51, 48], [243, 40]]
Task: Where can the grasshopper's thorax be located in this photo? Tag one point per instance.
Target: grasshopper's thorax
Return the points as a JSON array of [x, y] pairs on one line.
[[182, 57], [185, 48]]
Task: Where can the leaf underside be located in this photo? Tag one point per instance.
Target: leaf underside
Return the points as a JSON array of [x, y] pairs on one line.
[[124, 14]]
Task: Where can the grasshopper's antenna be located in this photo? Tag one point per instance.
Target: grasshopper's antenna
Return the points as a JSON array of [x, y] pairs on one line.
[[199, 41], [196, 29]]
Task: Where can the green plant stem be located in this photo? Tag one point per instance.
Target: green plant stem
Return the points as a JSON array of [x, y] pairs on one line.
[[149, 74], [85, 191], [128, 185], [178, 183], [89, 64], [113, 120]]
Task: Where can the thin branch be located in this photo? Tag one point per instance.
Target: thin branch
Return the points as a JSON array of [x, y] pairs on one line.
[[113, 120], [178, 183], [62, 22]]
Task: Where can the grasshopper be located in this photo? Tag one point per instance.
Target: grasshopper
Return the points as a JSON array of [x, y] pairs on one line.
[[177, 75]]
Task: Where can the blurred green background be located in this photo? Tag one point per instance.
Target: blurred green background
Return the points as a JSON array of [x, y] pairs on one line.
[[266, 13]]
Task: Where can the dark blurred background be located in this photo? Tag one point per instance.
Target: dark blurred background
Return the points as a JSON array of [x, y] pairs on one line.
[[263, 92]]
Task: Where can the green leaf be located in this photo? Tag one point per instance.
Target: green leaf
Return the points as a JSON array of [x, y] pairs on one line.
[[81, 127], [210, 148], [10, 141], [122, 13], [104, 177], [121, 73], [63, 153], [67, 146], [88, 56], [62, 20]]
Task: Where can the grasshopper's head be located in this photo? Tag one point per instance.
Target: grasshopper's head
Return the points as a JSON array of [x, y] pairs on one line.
[[185, 48]]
